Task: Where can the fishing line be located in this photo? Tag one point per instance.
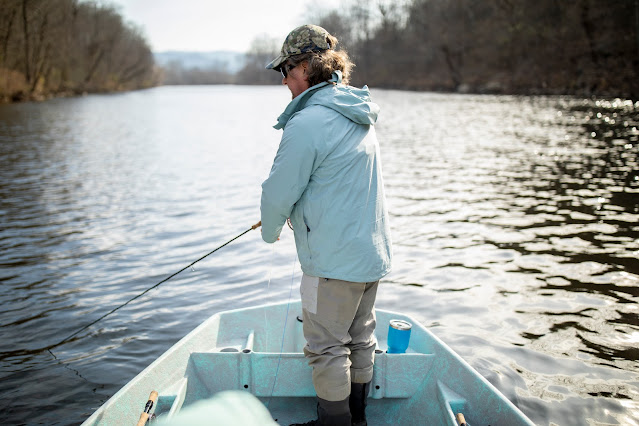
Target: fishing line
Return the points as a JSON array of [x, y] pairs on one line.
[[288, 305], [257, 225], [270, 270], [268, 286]]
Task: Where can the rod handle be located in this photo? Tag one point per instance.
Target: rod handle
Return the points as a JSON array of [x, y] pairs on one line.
[[257, 225], [153, 397], [461, 420]]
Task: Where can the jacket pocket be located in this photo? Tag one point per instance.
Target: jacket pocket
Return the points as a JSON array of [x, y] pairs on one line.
[[307, 232]]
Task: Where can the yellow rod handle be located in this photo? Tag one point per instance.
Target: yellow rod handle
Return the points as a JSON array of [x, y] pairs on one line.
[[147, 409], [461, 420]]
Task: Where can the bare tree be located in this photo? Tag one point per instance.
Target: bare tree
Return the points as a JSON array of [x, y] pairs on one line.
[[263, 49], [509, 46], [61, 46]]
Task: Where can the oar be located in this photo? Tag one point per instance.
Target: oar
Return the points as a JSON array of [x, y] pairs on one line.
[[461, 420], [147, 409]]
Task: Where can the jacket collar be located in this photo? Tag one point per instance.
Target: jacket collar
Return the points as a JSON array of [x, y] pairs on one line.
[[299, 102]]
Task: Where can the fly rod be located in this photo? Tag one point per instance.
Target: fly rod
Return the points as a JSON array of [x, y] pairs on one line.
[[257, 225]]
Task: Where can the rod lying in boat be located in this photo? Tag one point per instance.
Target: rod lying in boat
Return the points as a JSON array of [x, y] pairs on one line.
[[147, 408], [239, 351]]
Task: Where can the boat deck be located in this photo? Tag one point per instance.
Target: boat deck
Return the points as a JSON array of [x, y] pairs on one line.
[[244, 350]]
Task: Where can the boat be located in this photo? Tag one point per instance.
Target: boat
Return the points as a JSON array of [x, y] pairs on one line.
[[259, 350]]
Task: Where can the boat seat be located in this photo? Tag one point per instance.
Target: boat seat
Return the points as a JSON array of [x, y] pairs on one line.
[[394, 375]]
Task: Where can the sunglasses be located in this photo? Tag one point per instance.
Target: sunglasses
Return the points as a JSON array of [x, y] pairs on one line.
[[286, 69]]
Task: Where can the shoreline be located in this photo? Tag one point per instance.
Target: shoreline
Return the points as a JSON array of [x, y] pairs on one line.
[[461, 90]]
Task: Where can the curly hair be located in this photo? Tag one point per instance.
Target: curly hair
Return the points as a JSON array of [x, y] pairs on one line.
[[322, 64]]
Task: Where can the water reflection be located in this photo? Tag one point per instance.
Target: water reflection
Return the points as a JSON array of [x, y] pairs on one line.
[[538, 196], [586, 197]]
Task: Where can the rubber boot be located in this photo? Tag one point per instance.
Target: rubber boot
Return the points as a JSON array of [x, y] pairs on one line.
[[357, 403], [330, 413]]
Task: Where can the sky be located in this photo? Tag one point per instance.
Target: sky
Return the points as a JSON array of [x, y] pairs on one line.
[[211, 25]]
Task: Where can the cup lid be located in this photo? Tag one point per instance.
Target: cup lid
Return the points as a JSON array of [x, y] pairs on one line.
[[400, 324]]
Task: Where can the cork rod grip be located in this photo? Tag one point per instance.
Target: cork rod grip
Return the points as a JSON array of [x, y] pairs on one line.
[[461, 420], [153, 397]]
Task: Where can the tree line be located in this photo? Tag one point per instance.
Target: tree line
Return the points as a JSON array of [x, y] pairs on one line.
[[53, 47], [263, 49], [505, 46], [583, 47]]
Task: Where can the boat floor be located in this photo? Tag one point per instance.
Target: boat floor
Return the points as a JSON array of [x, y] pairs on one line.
[[286, 411]]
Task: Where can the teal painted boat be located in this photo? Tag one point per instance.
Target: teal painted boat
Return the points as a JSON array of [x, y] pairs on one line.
[[259, 350]]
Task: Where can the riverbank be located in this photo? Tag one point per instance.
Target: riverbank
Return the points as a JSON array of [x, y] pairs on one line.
[[14, 88], [491, 88], [19, 97]]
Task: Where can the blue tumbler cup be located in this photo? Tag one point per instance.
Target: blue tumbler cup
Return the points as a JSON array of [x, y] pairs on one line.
[[398, 336]]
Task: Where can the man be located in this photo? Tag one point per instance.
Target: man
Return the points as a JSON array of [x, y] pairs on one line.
[[327, 178]]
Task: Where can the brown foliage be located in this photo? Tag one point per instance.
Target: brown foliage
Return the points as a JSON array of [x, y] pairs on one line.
[[508, 46], [13, 85], [68, 46]]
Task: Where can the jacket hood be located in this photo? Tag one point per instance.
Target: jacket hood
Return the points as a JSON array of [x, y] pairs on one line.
[[353, 103]]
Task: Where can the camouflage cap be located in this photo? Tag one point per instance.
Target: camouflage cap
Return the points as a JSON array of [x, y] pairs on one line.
[[307, 38]]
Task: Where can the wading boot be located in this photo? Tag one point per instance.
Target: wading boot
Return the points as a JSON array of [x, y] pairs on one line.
[[330, 413], [357, 403]]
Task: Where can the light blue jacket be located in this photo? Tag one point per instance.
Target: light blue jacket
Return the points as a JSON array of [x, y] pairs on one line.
[[327, 177]]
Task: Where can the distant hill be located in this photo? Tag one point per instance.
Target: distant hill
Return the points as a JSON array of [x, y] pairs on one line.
[[231, 62]]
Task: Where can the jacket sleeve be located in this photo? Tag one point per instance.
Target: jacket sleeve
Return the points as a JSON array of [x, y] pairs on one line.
[[290, 174]]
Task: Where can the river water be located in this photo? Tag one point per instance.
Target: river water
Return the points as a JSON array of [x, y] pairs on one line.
[[514, 220]]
